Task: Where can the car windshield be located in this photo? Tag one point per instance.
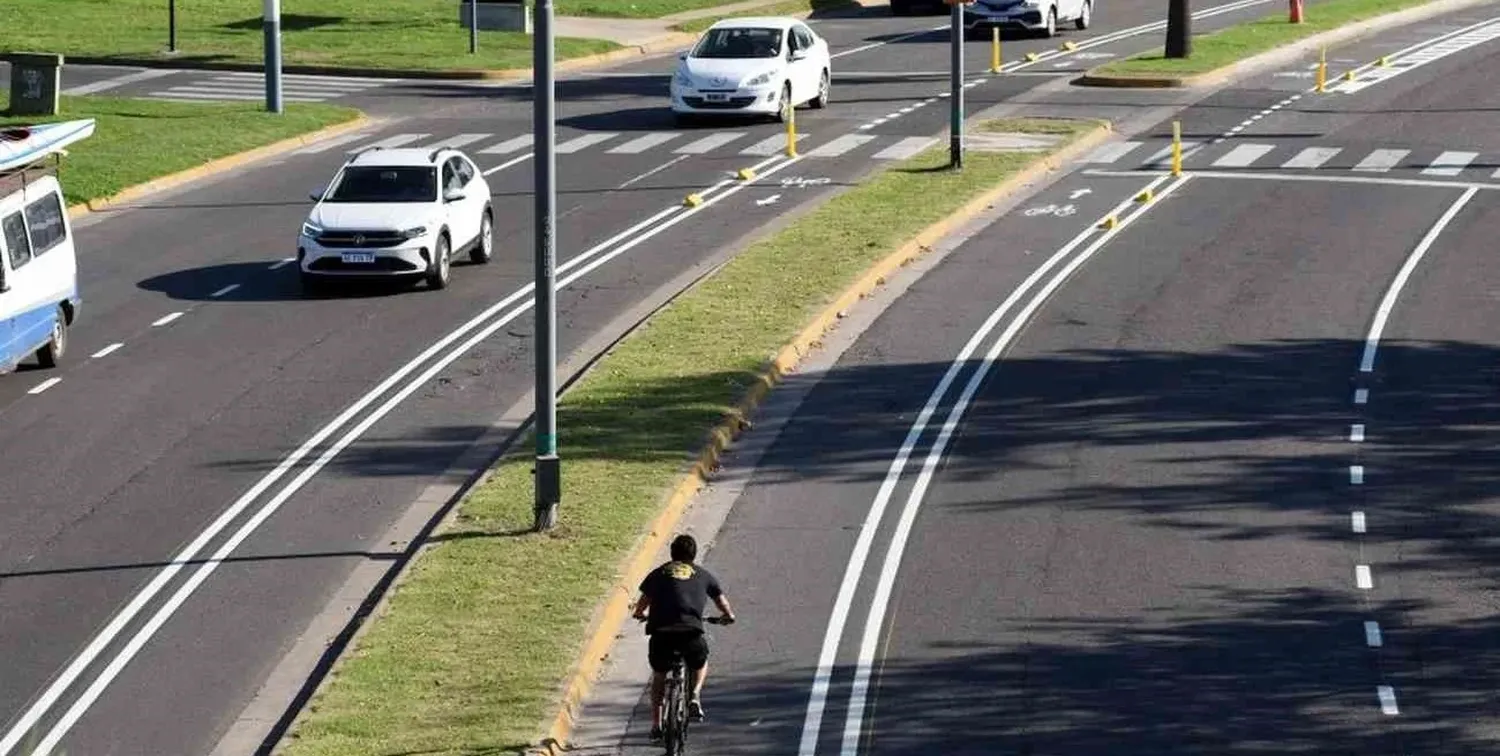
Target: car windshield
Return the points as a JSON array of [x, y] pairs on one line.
[[739, 43], [386, 184]]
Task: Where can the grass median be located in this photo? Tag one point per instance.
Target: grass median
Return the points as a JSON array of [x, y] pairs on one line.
[[138, 140], [470, 648], [378, 34], [782, 8], [1235, 43]]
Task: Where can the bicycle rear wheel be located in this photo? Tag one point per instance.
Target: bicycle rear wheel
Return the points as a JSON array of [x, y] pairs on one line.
[[674, 729]]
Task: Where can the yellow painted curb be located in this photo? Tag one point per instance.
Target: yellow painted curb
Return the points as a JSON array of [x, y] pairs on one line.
[[617, 607], [214, 167]]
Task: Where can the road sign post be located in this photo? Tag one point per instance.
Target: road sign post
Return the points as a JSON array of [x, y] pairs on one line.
[[956, 83], [272, 25], [171, 25], [473, 26], [1179, 30], [544, 136]]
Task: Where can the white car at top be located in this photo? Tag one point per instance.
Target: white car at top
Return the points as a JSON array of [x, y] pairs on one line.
[[761, 66]]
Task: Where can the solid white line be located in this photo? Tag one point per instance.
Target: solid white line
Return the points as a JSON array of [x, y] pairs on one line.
[[223, 291], [892, 40], [106, 351], [44, 385], [1361, 396], [118, 81], [1357, 432], [1362, 577], [1312, 157], [818, 694], [1388, 303], [1380, 161], [1388, 700], [96, 647], [1244, 155], [165, 319], [509, 163], [283, 263], [1357, 522], [1356, 475], [1372, 634], [654, 171], [1449, 163]]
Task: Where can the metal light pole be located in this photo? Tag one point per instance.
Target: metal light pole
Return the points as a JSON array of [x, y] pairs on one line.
[[272, 24], [474, 26], [171, 25], [1179, 30], [956, 83], [544, 136]]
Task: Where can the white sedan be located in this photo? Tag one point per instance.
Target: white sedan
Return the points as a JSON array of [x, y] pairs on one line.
[[754, 66]]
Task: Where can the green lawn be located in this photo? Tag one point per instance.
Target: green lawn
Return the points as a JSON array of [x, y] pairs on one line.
[[411, 34], [1235, 43], [782, 8], [135, 141], [482, 629]]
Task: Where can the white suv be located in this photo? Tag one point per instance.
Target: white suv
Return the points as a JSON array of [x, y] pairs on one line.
[[398, 213]]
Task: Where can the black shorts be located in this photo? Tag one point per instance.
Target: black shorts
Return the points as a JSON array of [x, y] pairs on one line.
[[666, 646]]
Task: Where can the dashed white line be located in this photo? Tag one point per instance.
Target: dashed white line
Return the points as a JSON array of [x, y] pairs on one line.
[[1362, 577], [44, 385], [105, 352], [166, 319], [1357, 522], [283, 263], [223, 291], [1380, 161], [1387, 700], [1357, 474], [1361, 396], [1357, 432], [1450, 163], [1372, 634]]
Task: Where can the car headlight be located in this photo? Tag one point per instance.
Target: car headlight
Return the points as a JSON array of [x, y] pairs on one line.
[[683, 79], [311, 231], [413, 233], [761, 80]]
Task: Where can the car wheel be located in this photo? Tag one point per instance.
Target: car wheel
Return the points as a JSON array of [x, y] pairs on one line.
[[821, 101], [1051, 29], [51, 353], [784, 114], [440, 272], [1085, 16], [484, 249]]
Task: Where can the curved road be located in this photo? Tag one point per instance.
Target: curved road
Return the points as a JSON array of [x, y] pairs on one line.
[[1217, 479]]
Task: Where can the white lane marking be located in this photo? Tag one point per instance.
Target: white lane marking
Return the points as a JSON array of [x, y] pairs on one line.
[[44, 385], [818, 694], [105, 352], [283, 263], [889, 568], [906, 148], [1357, 522], [1362, 577], [509, 163], [328, 144], [393, 141], [1449, 163], [642, 231], [841, 145], [259, 77], [1372, 634], [1356, 475], [1387, 700], [587, 140], [165, 319], [1357, 432], [455, 141], [228, 96], [1312, 157], [654, 171], [1331, 178], [1388, 303], [117, 81], [223, 291], [1361, 396], [642, 143], [892, 40], [1243, 155], [1427, 51], [1109, 153], [508, 146], [1380, 161], [770, 145], [710, 142], [1164, 154]]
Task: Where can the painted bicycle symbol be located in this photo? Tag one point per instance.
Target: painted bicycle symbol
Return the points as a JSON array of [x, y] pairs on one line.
[[799, 181], [1061, 211]]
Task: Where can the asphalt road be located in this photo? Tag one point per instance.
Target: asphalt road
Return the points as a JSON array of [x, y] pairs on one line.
[[203, 382], [1174, 512]]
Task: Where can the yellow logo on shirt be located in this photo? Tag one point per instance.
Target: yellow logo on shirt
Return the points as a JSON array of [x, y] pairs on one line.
[[680, 571]]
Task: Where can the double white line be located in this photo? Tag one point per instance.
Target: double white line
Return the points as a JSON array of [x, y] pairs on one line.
[[1091, 241], [404, 382]]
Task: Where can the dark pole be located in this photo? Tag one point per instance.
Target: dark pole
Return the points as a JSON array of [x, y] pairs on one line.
[[474, 26], [956, 83], [544, 136], [1179, 29], [171, 25]]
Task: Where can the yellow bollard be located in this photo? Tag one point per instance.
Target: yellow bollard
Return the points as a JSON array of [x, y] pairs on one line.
[[1033, 57], [1385, 61], [692, 200], [1349, 75], [1145, 196], [1109, 222], [791, 132], [1322, 68], [1177, 148], [746, 174], [995, 50], [1070, 46]]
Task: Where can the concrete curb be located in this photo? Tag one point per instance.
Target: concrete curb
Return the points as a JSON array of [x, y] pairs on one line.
[[617, 607], [1280, 55], [215, 167]]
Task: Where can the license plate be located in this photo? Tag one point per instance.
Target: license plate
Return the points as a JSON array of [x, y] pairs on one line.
[[359, 257], [716, 97]]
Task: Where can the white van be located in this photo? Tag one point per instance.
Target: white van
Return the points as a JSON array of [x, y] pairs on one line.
[[38, 267]]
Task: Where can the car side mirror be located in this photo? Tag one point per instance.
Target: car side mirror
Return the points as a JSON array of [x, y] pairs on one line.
[[682, 55], [453, 195], [315, 196], [799, 55]]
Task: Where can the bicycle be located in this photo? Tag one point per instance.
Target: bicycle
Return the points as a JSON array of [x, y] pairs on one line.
[[674, 719]]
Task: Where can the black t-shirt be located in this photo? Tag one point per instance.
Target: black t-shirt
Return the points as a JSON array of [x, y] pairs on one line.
[[679, 592]]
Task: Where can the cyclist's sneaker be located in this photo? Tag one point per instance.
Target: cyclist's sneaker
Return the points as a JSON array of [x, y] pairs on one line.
[[656, 735], [695, 710]]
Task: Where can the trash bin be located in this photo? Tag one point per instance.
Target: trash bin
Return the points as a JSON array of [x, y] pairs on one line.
[[35, 79]]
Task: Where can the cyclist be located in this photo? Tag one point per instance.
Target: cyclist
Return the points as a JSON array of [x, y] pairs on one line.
[[676, 593]]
